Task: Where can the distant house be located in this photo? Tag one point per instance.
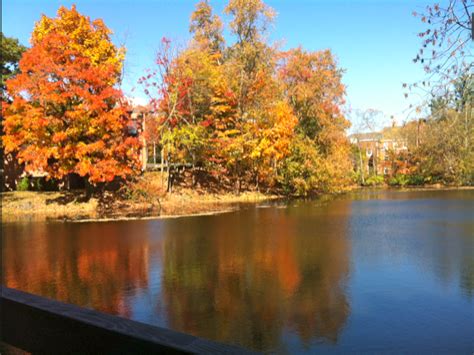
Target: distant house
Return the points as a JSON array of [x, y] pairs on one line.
[[137, 127], [380, 149]]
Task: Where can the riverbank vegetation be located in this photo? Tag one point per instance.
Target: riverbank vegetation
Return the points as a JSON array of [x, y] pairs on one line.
[[145, 198], [231, 115], [247, 113]]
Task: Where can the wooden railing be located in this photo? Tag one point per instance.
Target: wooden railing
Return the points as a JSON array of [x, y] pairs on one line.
[[39, 325], [159, 166]]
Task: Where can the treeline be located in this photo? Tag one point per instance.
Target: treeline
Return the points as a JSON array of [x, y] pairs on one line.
[[246, 113], [441, 149], [242, 114], [439, 145]]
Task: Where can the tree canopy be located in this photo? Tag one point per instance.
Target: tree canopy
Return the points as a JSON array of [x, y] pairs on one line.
[[67, 115]]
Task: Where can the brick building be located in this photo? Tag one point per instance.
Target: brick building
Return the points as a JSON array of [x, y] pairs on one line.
[[380, 149]]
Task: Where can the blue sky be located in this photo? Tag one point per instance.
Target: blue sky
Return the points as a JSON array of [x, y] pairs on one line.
[[374, 40]]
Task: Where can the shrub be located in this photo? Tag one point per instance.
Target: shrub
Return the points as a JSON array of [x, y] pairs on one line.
[[416, 180], [146, 188], [23, 184], [302, 171], [399, 180], [374, 180]]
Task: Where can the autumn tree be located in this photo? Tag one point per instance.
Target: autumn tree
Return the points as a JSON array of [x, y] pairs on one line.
[[92, 38], [206, 28], [446, 153], [251, 69], [250, 56], [313, 87], [180, 90], [229, 111], [10, 54], [191, 95], [67, 115], [445, 50]]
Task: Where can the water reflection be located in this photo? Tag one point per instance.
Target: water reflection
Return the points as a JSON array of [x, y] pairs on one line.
[[265, 273], [89, 265], [327, 275]]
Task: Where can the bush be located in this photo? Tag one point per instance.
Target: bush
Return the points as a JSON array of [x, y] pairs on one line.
[[302, 171], [412, 180], [23, 184], [374, 180], [399, 180], [416, 180], [146, 188]]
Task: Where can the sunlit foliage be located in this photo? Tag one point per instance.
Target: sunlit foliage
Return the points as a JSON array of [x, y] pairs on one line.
[[240, 111], [67, 115]]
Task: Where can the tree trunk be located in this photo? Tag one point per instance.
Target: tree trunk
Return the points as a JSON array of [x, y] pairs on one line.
[[162, 153], [170, 181], [89, 189], [168, 171], [193, 168], [374, 154], [361, 167], [466, 124]]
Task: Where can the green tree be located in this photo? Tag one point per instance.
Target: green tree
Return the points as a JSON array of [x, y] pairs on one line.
[[10, 54]]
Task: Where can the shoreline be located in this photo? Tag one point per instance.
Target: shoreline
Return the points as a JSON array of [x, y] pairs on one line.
[[32, 206], [414, 188], [150, 218], [29, 206]]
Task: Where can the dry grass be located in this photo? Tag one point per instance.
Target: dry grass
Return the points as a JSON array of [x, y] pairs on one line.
[[39, 206], [146, 197], [189, 202]]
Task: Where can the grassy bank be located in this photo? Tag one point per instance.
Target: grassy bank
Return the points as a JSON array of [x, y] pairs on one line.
[[30, 205], [41, 206]]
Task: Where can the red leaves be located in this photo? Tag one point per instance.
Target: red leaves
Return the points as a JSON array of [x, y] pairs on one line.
[[65, 108]]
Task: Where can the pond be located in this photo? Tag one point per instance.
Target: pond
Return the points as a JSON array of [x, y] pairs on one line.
[[373, 271]]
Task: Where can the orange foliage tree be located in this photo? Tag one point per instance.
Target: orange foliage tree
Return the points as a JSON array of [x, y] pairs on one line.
[[67, 114], [313, 86]]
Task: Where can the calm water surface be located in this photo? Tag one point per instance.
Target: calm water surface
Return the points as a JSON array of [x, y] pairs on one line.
[[370, 272]]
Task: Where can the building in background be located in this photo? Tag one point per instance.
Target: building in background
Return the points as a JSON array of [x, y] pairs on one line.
[[383, 152], [137, 128]]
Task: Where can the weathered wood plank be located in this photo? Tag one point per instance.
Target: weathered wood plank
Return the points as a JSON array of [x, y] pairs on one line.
[[41, 325]]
